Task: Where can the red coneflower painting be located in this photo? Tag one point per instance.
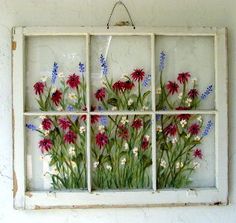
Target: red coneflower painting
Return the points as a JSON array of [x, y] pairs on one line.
[[56, 97], [39, 88], [73, 81], [45, 145]]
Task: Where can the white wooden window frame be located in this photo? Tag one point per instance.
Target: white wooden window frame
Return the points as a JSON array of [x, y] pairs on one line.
[[86, 199]]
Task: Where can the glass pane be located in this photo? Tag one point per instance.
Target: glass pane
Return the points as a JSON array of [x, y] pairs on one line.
[[121, 72], [56, 152], [185, 73], [55, 72], [121, 152], [185, 151]]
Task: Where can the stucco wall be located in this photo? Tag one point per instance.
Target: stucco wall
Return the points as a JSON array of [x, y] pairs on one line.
[[95, 13]]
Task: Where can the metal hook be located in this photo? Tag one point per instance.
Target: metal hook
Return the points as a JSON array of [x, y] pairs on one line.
[[120, 3]]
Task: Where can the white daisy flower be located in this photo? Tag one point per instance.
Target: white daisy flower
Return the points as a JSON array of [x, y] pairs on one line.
[[123, 161], [163, 163], [179, 165], [124, 120], [197, 138], [53, 89], [196, 165], [71, 150], [61, 75], [72, 96], [108, 167], [188, 136], [199, 118], [159, 128], [46, 133], [174, 140], [82, 129], [114, 108], [188, 102], [130, 102], [59, 108], [42, 117], [135, 151], [95, 164], [126, 146], [147, 137], [180, 96], [183, 122], [145, 108], [158, 91]]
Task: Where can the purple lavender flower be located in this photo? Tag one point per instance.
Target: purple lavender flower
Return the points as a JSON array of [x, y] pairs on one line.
[[100, 108], [70, 108], [207, 92], [104, 120], [31, 127], [147, 80], [162, 61], [208, 128], [103, 64], [81, 68], [54, 72]]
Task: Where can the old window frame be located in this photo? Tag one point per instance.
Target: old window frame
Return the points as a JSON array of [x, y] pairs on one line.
[[77, 199]]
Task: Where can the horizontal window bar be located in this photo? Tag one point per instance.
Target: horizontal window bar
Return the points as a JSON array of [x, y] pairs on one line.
[[52, 113]]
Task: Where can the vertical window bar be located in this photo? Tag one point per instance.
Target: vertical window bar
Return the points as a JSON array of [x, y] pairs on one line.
[[88, 153], [153, 73]]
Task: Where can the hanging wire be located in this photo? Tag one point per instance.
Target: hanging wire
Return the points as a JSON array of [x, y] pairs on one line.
[[122, 4]]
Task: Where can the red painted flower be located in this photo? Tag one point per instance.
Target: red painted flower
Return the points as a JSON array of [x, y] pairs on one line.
[[100, 94], [47, 124], [194, 129], [145, 143], [183, 77], [73, 81], [64, 123], [94, 118], [172, 87], [197, 153], [193, 93], [183, 116], [138, 75], [118, 86], [56, 97], [45, 145], [101, 139], [170, 130], [137, 124], [123, 132], [70, 137], [39, 88], [128, 85]]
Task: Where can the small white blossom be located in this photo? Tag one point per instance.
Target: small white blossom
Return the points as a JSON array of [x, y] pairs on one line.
[[179, 165], [183, 122], [126, 146], [158, 91], [196, 165], [101, 128], [194, 80], [108, 167], [95, 164], [159, 128], [71, 150], [174, 140], [46, 133], [123, 161], [188, 136], [42, 117], [180, 96], [124, 120], [145, 108], [61, 75], [114, 108], [72, 96], [163, 163], [130, 102], [135, 151], [41, 127], [44, 78], [59, 108], [82, 129], [147, 137], [197, 138], [199, 118], [188, 102]]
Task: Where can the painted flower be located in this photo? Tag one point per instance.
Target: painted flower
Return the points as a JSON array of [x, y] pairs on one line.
[[170, 130], [73, 81], [39, 88], [101, 139], [64, 123], [138, 75], [123, 132], [183, 116], [70, 137], [118, 86], [172, 87], [137, 124], [56, 97], [197, 153], [193, 93], [145, 143], [100, 94], [128, 85], [194, 129], [45, 145], [183, 77], [47, 124]]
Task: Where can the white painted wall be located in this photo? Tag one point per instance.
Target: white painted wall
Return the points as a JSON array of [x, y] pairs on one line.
[[95, 13]]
